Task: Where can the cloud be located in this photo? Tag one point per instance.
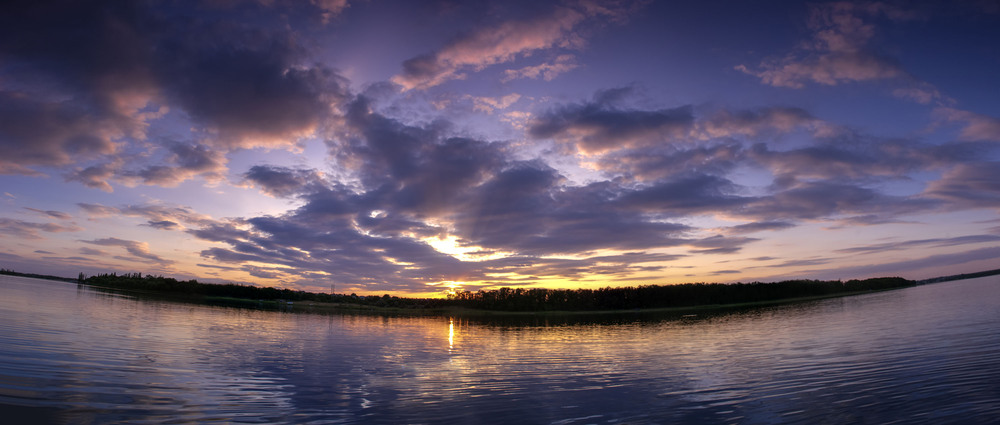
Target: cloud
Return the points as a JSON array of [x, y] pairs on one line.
[[599, 126], [686, 195], [839, 50], [163, 225], [30, 230], [252, 95], [136, 249], [977, 127], [490, 46], [97, 210], [828, 69], [847, 158], [547, 71], [669, 161], [420, 191], [185, 161], [935, 242], [603, 125], [758, 226], [36, 132], [826, 200], [95, 176], [88, 81], [92, 251], [491, 104], [330, 8], [720, 244], [53, 214], [282, 181], [507, 41], [969, 185], [754, 123], [425, 207], [158, 216], [922, 93]]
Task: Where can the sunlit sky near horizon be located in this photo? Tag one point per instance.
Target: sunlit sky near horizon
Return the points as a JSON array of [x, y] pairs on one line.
[[414, 148]]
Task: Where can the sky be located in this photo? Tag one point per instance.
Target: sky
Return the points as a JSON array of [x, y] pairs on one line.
[[417, 148]]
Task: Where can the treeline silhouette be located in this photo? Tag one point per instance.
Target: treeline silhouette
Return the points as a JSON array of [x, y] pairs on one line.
[[35, 275], [960, 276], [136, 281], [519, 299], [655, 296]]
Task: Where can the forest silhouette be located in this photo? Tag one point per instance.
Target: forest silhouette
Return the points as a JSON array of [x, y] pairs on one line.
[[513, 299]]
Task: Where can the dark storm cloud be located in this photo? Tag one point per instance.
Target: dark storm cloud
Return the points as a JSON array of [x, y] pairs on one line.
[[247, 91], [89, 77], [605, 124], [35, 132], [83, 65], [847, 158], [598, 126], [283, 181], [527, 209], [822, 199], [684, 195], [414, 168], [418, 183], [184, 162], [667, 161]]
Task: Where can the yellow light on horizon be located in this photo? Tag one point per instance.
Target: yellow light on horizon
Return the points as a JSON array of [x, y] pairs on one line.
[[450, 245]]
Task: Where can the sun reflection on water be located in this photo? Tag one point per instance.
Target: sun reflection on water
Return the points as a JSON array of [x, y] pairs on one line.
[[451, 334]]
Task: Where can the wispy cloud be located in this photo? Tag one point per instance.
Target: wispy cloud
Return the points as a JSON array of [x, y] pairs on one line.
[[937, 242], [138, 250], [30, 230], [838, 51], [547, 71], [976, 127], [510, 40], [159, 216]]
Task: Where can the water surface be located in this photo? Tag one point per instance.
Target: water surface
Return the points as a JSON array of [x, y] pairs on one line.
[[928, 354]]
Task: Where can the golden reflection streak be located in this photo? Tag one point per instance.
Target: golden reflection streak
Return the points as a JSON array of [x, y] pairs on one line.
[[451, 334]]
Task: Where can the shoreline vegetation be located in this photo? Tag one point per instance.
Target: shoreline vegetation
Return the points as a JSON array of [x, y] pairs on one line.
[[680, 298]]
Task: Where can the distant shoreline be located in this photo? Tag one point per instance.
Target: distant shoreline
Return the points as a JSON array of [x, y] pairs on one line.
[[298, 301], [959, 277]]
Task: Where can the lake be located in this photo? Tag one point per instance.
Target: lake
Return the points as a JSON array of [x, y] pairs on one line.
[[927, 354]]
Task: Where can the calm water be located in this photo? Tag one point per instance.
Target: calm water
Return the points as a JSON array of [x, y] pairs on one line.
[[929, 354]]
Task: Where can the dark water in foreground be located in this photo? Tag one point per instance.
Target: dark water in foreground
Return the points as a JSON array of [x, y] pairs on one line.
[[929, 354]]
